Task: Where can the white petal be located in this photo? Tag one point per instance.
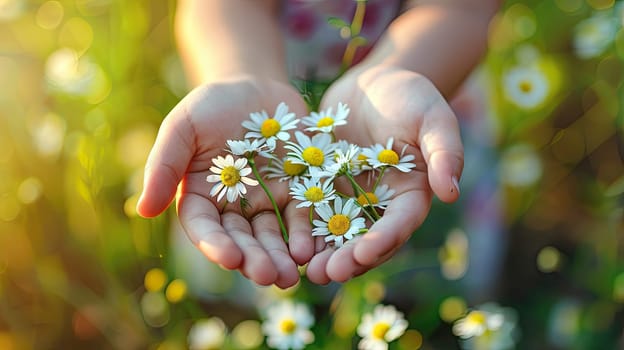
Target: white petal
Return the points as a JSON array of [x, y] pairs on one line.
[[241, 188], [213, 178], [240, 163], [216, 188], [283, 135], [232, 194], [249, 181], [250, 125], [253, 134], [221, 193], [220, 162], [302, 140]]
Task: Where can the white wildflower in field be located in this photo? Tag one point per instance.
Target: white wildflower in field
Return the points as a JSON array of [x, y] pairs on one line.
[[380, 327], [287, 325]]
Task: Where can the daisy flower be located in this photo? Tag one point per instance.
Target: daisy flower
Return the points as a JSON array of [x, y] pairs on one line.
[[271, 129], [325, 121], [379, 156], [345, 160], [384, 325], [525, 87], [288, 325], [249, 148], [380, 198], [340, 223], [313, 192], [476, 323], [285, 170], [231, 177], [495, 328], [314, 152]]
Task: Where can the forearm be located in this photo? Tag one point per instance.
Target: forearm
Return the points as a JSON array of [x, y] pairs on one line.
[[442, 40], [225, 38]]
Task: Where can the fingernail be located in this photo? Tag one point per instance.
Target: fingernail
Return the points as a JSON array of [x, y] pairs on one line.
[[455, 184]]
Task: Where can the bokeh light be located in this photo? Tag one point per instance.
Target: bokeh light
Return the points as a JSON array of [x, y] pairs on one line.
[[247, 335], [49, 15], [176, 291], [548, 259], [452, 308], [208, 334], [412, 339], [155, 309], [155, 280]]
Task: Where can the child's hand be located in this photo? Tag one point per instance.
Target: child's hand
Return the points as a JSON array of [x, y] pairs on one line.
[[194, 133], [389, 102]]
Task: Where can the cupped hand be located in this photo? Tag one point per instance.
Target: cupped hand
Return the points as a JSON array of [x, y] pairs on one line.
[[191, 135], [390, 102]]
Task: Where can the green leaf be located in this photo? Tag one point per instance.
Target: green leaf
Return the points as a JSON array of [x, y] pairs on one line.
[[337, 22]]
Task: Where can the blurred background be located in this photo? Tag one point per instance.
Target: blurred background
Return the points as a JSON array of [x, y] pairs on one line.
[[539, 231]]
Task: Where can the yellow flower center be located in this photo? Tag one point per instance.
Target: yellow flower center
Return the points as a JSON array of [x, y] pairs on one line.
[[367, 198], [313, 155], [476, 317], [388, 156], [525, 86], [293, 169], [288, 326], [380, 329], [270, 127], [339, 224], [363, 160], [230, 176], [314, 194], [326, 121]]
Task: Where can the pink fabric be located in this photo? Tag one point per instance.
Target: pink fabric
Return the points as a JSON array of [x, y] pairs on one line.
[[314, 48]]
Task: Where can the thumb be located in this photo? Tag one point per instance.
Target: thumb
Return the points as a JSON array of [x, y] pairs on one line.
[[167, 163]]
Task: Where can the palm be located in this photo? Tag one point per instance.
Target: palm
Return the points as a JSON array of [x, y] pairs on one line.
[[407, 107], [192, 135]]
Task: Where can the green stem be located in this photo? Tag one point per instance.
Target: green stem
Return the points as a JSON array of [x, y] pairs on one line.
[[378, 180], [355, 28], [375, 215], [333, 136], [358, 189], [254, 169], [311, 215]]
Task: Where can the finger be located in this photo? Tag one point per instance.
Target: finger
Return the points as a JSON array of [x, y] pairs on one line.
[[319, 244], [166, 163], [201, 222], [266, 230], [257, 264], [440, 143], [300, 240], [404, 215], [316, 270], [342, 265]]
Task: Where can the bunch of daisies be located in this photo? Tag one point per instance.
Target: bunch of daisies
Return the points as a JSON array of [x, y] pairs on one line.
[[313, 162]]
